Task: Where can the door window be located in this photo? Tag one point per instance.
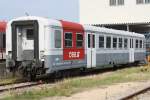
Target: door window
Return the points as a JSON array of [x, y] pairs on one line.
[[93, 42], [89, 40], [30, 34]]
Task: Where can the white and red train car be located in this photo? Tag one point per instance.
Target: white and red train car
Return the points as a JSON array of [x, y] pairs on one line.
[[48, 46], [2, 39]]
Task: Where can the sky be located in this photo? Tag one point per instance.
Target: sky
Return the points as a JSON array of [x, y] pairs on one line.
[[56, 9]]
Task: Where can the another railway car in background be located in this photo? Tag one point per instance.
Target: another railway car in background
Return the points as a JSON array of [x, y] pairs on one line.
[[2, 40], [42, 46]]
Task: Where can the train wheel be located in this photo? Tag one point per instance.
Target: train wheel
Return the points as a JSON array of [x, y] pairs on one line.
[[115, 67]]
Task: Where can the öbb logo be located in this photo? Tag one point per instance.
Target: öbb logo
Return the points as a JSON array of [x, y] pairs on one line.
[[74, 54]]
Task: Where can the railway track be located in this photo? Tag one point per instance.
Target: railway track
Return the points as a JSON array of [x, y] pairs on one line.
[[18, 86], [135, 94], [18, 82]]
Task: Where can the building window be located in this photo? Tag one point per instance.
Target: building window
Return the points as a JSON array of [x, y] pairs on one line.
[[101, 41], [120, 42], [79, 40], [139, 1], [142, 1], [147, 1], [116, 2], [137, 43], [68, 39], [112, 2], [120, 2], [114, 42], [125, 43], [108, 42], [57, 34]]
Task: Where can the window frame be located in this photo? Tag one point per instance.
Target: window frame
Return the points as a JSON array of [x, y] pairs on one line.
[[136, 43], [93, 40], [68, 39], [29, 37], [120, 38], [4, 40], [101, 41], [139, 2], [89, 41], [126, 43], [115, 42], [120, 2], [116, 2], [109, 42], [112, 2], [147, 1], [141, 44], [80, 40]]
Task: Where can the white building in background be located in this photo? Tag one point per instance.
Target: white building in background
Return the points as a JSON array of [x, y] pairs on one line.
[[114, 11], [120, 14], [131, 15]]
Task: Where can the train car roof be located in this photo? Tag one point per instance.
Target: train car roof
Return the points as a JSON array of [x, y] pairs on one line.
[[41, 20], [72, 25], [2, 26], [111, 31]]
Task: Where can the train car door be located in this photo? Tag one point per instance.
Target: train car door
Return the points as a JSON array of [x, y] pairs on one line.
[[25, 43], [91, 51], [131, 51]]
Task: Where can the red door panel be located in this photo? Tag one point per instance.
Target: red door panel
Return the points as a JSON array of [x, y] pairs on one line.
[[73, 52]]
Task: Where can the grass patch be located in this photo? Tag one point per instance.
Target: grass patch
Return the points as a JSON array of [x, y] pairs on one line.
[[10, 80], [68, 87]]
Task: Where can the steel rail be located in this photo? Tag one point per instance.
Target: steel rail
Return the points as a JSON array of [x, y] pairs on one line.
[[19, 87], [136, 94]]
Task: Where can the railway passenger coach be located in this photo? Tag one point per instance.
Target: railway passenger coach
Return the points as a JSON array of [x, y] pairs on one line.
[[2, 40], [43, 46]]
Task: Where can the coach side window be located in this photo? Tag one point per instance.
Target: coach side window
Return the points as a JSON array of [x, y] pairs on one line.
[[108, 42], [120, 42], [57, 38], [125, 43], [68, 39], [114, 42], [130, 43], [101, 41], [79, 40], [141, 43], [137, 43]]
